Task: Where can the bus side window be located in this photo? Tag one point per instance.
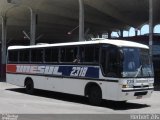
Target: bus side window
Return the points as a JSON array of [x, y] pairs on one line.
[[81, 53], [13, 56], [68, 54], [71, 53], [51, 54], [89, 54], [112, 61], [62, 54], [104, 60], [24, 55], [96, 54], [109, 61], [37, 55]]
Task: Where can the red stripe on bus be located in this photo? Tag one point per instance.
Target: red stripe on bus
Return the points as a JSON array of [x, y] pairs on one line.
[[11, 68]]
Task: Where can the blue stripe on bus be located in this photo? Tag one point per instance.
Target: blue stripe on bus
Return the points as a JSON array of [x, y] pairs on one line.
[[79, 71]]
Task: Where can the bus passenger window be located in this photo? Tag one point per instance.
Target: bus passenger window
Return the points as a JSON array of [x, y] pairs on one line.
[[89, 54], [37, 55], [13, 56], [24, 55], [68, 54], [77, 59], [71, 54], [51, 54], [96, 54], [62, 55], [81, 54]]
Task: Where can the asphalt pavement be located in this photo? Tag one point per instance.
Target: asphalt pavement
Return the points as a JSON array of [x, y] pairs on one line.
[[14, 100]]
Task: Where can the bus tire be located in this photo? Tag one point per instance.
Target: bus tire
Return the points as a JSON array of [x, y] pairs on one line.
[[95, 95], [29, 86]]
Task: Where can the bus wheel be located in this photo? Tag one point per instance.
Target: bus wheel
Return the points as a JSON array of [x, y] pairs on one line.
[[29, 86], [95, 95]]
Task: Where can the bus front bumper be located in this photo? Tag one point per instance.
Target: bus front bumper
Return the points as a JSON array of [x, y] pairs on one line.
[[130, 94]]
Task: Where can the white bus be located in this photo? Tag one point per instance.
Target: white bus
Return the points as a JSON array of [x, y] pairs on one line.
[[104, 69]]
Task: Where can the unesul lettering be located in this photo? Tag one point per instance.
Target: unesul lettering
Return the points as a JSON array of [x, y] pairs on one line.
[[33, 69]]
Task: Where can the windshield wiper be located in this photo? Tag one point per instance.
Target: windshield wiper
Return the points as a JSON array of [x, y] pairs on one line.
[[139, 70]]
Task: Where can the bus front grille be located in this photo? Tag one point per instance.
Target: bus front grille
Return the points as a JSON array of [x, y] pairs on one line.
[[143, 86], [140, 93]]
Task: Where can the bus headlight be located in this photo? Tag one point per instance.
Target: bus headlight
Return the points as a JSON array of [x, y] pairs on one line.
[[127, 86]]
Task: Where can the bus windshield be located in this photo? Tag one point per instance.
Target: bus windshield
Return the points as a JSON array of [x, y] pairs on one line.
[[136, 62]]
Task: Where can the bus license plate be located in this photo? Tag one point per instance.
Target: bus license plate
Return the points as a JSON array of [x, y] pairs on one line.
[[139, 97]]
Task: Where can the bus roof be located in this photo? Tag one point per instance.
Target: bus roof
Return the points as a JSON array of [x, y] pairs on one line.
[[119, 43]]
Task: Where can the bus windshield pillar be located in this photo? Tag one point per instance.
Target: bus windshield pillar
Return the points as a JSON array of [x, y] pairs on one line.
[[3, 47]]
